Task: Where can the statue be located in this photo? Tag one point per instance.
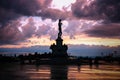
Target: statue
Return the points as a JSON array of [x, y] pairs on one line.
[[58, 49], [60, 29]]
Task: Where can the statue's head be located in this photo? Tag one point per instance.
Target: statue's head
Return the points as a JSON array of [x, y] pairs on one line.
[[60, 20]]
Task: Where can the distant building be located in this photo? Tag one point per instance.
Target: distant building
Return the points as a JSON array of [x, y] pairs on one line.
[[58, 49]]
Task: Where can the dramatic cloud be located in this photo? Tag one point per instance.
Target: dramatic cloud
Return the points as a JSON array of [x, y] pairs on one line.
[[105, 31], [97, 9], [25, 7], [10, 33], [91, 9], [24, 28], [21, 20], [77, 27], [84, 8], [6, 15], [10, 9], [110, 9], [11, 12]]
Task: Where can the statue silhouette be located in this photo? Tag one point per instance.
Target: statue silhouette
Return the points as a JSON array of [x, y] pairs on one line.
[[60, 29], [58, 49]]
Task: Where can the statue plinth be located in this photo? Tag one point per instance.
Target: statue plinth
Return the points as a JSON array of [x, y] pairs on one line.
[[59, 41], [58, 49]]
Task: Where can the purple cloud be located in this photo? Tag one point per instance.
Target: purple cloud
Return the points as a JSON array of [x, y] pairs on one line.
[[104, 30], [98, 9], [10, 34]]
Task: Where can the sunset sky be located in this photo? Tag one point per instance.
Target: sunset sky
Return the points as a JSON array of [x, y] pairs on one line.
[[92, 24]]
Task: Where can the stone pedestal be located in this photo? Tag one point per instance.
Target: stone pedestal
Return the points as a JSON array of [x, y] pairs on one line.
[[58, 49]]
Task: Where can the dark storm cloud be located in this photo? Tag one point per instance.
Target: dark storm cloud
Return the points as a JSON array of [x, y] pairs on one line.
[[79, 9], [12, 9], [98, 9], [105, 31], [6, 15], [111, 9], [26, 7]]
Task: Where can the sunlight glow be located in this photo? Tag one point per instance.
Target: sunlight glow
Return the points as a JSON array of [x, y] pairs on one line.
[[79, 39], [83, 39], [62, 4]]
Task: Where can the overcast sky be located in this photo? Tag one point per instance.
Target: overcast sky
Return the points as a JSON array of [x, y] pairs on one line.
[[28, 23]]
